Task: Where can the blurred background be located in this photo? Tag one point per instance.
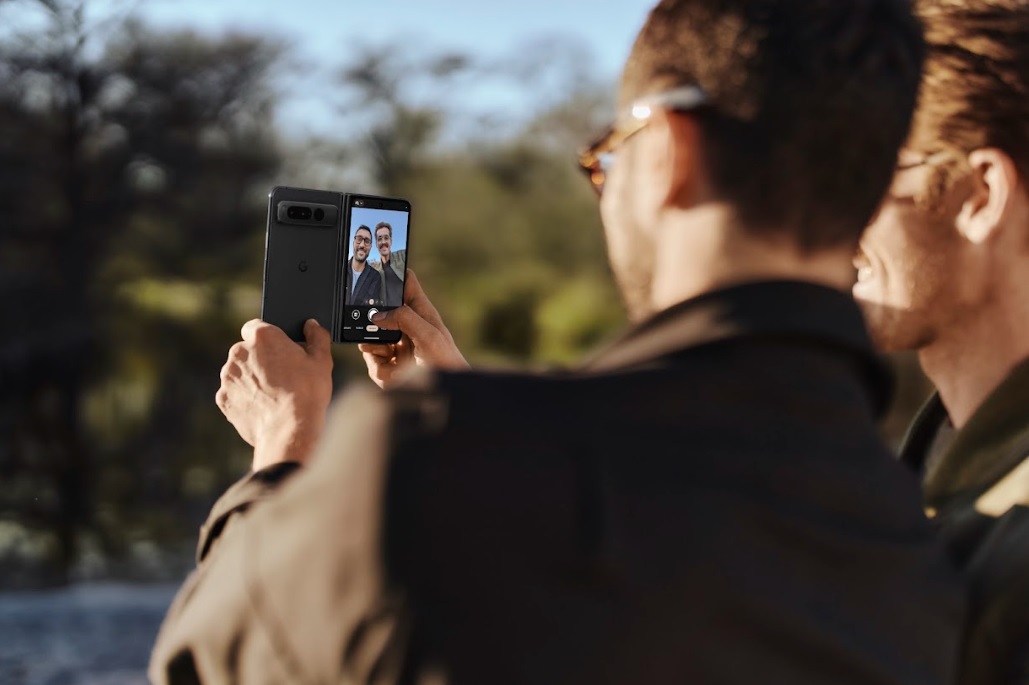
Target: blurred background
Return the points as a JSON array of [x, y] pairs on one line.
[[138, 142]]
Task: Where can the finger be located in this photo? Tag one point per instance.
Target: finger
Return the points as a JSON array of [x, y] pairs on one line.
[[319, 342], [419, 336], [416, 299], [221, 398], [255, 327], [412, 287], [246, 332], [409, 322], [374, 362], [380, 370], [230, 371], [402, 351], [384, 351], [238, 353]]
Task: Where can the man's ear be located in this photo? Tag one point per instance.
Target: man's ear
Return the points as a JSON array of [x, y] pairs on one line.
[[675, 150], [991, 200]]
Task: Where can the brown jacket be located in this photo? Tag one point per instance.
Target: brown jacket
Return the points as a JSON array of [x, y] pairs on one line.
[[705, 501]]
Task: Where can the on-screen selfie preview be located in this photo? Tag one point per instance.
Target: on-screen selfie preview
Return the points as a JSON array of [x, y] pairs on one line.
[[375, 266]]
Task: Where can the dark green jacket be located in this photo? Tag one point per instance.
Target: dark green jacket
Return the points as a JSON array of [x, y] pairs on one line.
[[976, 487]]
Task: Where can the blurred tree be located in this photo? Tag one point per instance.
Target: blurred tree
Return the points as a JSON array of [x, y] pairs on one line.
[[504, 227], [125, 167], [134, 169], [382, 87], [49, 105]]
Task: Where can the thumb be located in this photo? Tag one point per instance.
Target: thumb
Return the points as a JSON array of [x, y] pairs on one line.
[[319, 341], [407, 321]]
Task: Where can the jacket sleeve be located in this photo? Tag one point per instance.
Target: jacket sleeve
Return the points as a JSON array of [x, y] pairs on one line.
[[1020, 673], [237, 499], [295, 589]]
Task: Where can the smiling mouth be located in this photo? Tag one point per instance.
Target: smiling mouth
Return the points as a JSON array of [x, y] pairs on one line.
[[863, 267]]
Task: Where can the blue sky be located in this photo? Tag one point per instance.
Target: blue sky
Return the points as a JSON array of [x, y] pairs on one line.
[[323, 28], [323, 34], [320, 32]]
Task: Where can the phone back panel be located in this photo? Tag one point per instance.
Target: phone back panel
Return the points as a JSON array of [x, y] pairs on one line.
[[301, 264]]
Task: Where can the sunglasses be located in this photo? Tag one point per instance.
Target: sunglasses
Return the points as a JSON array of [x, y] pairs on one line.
[[597, 158], [907, 197], [927, 160]]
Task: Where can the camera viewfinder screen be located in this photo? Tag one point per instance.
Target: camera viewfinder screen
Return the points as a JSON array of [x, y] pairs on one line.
[[375, 267]]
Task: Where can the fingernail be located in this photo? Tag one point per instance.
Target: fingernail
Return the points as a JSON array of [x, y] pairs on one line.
[[378, 316]]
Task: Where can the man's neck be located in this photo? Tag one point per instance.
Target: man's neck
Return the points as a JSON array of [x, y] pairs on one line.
[[356, 265], [718, 256], [971, 358], [385, 260]]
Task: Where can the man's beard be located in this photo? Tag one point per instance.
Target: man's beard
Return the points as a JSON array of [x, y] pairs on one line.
[[896, 330], [932, 306], [635, 277]]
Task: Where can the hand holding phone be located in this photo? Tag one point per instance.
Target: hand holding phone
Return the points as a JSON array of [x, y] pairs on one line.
[[275, 392], [426, 340]]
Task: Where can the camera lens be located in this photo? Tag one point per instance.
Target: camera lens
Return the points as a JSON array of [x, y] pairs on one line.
[[291, 212], [319, 214]]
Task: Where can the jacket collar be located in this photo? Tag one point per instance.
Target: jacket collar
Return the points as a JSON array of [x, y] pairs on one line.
[[993, 442], [801, 311]]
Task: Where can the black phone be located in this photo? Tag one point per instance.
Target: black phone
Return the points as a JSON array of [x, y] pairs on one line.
[[336, 257], [301, 259], [375, 260]]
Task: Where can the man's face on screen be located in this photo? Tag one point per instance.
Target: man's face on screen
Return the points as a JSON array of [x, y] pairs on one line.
[[383, 242], [362, 245]]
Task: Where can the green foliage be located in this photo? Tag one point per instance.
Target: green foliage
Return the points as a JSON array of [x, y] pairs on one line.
[[127, 219], [504, 230], [134, 176], [133, 183]]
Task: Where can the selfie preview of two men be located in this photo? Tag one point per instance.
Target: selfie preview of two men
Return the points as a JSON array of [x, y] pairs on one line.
[[380, 281], [706, 499]]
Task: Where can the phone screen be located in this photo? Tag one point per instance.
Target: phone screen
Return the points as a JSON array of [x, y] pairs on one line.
[[378, 234]]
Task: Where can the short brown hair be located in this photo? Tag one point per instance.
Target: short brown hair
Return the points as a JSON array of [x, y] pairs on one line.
[[975, 92], [384, 224], [812, 100]]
